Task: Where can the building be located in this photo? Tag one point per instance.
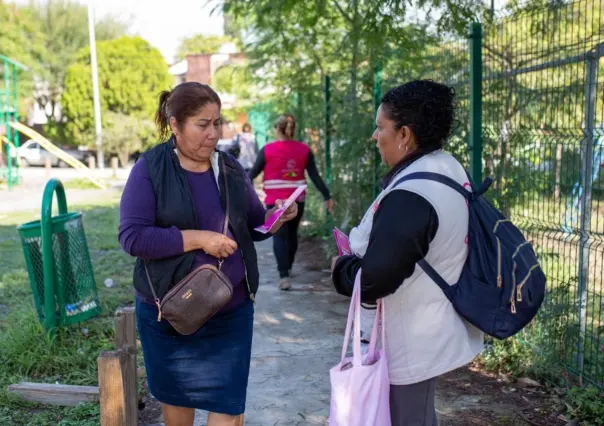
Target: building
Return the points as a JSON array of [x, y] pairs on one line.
[[202, 67]]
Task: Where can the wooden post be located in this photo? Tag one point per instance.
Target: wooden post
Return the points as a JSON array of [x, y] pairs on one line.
[[91, 162], [47, 166], [111, 389], [125, 336]]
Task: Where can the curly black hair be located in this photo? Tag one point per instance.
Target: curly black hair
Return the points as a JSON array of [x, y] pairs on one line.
[[427, 108]]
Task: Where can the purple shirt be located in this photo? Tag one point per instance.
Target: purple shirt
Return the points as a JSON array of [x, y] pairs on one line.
[[140, 236]]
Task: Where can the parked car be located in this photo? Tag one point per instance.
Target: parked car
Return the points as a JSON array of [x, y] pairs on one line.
[[32, 154]]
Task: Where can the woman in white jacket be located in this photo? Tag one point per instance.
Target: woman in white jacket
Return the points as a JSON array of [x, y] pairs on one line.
[[417, 219]]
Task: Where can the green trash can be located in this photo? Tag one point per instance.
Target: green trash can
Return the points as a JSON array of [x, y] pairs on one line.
[[58, 263]]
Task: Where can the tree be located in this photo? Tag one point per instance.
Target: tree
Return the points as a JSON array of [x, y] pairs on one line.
[[46, 36], [131, 75], [200, 43], [125, 134], [20, 40], [64, 26], [294, 44]]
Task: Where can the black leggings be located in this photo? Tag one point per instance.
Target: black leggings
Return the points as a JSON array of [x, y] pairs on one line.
[[285, 243]]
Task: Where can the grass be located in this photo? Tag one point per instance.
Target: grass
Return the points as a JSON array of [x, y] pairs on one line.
[[79, 183], [26, 354]]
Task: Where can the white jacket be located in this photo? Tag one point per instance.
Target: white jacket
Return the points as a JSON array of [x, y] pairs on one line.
[[425, 337]]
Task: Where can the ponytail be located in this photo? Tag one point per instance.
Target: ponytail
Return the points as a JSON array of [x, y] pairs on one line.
[[162, 115], [286, 125]]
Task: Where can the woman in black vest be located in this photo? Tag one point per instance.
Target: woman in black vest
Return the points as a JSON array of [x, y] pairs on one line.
[[171, 218]]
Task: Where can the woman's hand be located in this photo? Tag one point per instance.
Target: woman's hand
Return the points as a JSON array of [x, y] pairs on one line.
[[213, 243], [289, 214], [217, 245]]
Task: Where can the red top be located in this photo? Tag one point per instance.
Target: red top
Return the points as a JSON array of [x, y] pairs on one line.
[[285, 162]]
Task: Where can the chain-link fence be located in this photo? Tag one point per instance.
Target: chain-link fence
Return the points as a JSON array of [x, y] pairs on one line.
[[543, 122], [531, 116]]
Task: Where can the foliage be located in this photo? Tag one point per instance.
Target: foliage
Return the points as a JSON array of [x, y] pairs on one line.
[[200, 43], [46, 36], [587, 405], [293, 45], [235, 80], [509, 356], [20, 40], [126, 134], [131, 75]]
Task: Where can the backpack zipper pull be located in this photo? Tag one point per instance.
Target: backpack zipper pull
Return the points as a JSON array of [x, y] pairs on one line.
[[513, 298], [499, 278], [157, 302]]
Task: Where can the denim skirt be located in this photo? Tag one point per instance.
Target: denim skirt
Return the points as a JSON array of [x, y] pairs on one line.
[[207, 370]]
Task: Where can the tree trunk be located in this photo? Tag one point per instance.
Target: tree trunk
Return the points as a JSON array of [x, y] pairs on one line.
[[124, 155]]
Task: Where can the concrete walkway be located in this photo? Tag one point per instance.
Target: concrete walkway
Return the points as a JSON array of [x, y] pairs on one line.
[[297, 339]]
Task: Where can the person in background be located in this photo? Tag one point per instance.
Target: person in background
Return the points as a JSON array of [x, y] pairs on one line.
[[410, 221], [248, 149], [284, 162], [172, 214]]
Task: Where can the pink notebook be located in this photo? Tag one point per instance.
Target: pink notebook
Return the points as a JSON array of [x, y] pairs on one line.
[[342, 242], [279, 212]]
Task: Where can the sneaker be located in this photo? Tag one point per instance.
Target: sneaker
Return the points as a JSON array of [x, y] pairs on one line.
[[285, 284]]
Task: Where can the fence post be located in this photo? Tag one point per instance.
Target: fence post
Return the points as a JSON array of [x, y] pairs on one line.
[[300, 118], [377, 99], [328, 130], [112, 394], [587, 147], [125, 336], [475, 140]]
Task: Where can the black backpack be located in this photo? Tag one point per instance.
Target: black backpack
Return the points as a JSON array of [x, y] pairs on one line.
[[501, 286]]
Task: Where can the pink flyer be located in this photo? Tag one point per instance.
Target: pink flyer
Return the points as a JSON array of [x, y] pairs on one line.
[[342, 242], [279, 212]]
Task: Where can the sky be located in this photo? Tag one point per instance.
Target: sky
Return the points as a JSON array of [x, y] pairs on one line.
[[162, 23]]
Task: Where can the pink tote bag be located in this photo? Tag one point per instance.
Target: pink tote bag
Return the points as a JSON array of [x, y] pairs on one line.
[[360, 388]]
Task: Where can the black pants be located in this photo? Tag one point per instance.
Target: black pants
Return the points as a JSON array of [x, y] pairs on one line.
[[413, 405], [285, 243]]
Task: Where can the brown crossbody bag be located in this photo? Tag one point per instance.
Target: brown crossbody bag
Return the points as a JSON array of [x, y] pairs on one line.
[[198, 296]]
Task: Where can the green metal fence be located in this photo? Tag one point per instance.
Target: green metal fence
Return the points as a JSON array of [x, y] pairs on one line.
[[543, 121], [531, 115]]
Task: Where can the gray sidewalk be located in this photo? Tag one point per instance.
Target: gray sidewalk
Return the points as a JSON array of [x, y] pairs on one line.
[[297, 339]]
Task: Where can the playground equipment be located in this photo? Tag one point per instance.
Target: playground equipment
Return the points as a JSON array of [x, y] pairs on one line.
[[53, 149], [58, 263], [9, 113]]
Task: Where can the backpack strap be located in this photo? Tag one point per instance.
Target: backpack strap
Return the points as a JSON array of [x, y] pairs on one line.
[[436, 177], [445, 180], [435, 276]]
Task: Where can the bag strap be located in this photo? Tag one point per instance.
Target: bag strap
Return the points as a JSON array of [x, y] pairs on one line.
[[225, 230], [354, 324], [436, 277], [445, 180], [436, 177]]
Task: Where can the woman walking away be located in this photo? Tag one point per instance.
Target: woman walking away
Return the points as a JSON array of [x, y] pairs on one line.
[[284, 162], [408, 222], [172, 218], [248, 148]]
